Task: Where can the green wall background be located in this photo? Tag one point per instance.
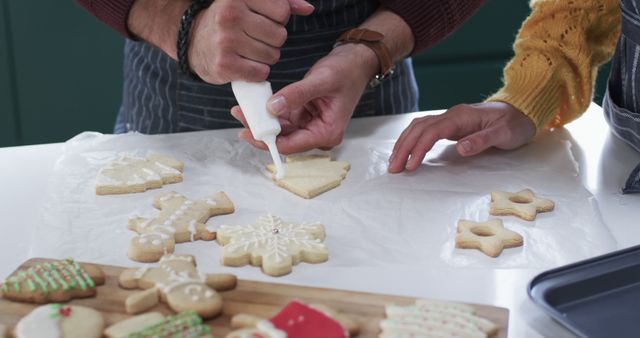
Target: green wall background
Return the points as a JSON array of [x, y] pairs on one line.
[[61, 70]]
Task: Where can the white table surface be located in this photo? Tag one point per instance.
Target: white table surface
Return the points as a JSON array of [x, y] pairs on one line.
[[604, 163]]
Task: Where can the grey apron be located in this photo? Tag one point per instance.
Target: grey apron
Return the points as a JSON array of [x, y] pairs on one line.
[[157, 98], [621, 103]]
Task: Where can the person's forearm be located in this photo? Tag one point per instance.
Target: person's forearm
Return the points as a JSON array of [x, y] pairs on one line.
[[397, 34], [157, 22], [113, 13]]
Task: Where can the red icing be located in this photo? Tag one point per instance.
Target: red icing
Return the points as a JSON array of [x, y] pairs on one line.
[[65, 311], [299, 320]]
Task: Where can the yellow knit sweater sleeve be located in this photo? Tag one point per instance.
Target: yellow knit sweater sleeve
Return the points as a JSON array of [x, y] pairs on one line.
[[557, 54]]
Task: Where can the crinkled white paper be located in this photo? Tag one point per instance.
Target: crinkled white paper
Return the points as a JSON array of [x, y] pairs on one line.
[[374, 219]]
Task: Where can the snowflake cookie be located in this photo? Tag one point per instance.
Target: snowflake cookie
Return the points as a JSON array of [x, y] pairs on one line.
[[523, 204], [178, 283], [56, 281], [56, 320], [131, 174], [180, 220], [310, 175], [273, 244]]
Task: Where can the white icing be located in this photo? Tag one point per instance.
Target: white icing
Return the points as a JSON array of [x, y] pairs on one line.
[[132, 171], [208, 294], [141, 272], [156, 242], [168, 258], [142, 240], [39, 324], [164, 227], [211, 202], [266, 327], [192, 229]]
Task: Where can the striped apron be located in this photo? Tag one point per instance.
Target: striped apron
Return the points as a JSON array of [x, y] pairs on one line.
[[621, 103], [157, 98]]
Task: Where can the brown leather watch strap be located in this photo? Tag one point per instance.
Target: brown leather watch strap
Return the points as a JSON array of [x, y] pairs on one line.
[[373, 40]]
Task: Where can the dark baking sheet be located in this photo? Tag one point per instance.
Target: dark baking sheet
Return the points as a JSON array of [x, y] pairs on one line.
[[598, 297]]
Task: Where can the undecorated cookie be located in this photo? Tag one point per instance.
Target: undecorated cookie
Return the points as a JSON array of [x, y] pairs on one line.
[[273, 244], [131, 174], [523, 204], [490, 237], [60, 321], [56, 281], [179, 220], [178, 283], [154, 325], [310, 175]]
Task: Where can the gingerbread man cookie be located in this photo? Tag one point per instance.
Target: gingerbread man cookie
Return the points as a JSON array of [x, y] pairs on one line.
[[273, 244], [490, 237], [310, 175], [180, 220], [57, 281], [131, 174], [153, 325], [435, 319], [523, 204], [178, 283], [61, 321], [295, 320]]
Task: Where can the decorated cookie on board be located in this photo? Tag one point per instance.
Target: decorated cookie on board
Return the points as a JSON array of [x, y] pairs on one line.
[[55, 281], [179, 220], [273, 244], [310, 175], [524, 204], [177, 282], [427, 318], [153, 325], [60, 321], [295, 320], [131, 174]]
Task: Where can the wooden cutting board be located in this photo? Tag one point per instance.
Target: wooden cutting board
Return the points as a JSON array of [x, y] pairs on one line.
[[257, 298]]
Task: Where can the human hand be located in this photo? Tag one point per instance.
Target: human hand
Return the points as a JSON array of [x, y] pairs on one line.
[[240, 39], [314, 112], [476, 127]]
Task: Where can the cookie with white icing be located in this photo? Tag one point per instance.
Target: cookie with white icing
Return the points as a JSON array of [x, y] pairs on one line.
[[524, 204], [60, 321], [435, 319], [179, 220], [273, 244], [310, 175], [130, 174], [177, 282], [152, 325], [54, 281]]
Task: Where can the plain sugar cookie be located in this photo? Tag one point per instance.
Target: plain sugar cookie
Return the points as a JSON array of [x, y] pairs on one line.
[[523, 204], [310, 175], [131, 174], [490, 237], [60, 321]]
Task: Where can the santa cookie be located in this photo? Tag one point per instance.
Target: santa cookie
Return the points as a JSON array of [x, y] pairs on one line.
[[153, 325], [310, 175], [272, 243], [296, 320], [435, 319], [131, 174], [56, 281], [60, 321], [179, 220], [178, 283]]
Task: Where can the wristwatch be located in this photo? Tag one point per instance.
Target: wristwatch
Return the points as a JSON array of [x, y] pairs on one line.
[[373, 40]]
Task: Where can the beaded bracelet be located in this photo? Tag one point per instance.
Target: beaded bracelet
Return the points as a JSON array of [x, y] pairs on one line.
[[183, 34]]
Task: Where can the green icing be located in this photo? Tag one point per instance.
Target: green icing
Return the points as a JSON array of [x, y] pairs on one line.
[[183, 325]]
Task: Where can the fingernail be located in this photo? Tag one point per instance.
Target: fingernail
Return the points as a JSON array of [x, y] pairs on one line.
[[391, 157], [277, 105], [466, 146]]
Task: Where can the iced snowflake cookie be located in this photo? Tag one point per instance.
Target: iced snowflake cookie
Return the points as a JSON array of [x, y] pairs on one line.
[[295, 320], [273, 244], [490, 237], [523, 204], [56, 281], [180, 220], [178, 283], [152, 325], [131, 174], [60, 321], [310, 175], [435, 319]]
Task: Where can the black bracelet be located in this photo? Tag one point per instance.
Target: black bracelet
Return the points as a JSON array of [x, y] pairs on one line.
[[183, 34]]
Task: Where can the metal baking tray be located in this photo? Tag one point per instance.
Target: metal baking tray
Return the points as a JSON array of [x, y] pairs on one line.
[[598, 297]]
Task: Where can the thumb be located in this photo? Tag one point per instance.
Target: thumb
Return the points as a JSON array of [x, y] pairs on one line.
[[301, 7], [479, 142], [294, 96]]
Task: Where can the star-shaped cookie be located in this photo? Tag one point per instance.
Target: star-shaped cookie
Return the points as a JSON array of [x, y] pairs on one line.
[[490, 237], [523, 204]]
